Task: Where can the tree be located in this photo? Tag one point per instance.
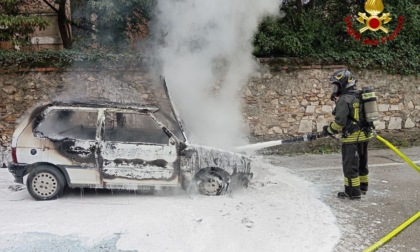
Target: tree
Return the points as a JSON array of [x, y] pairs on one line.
[[16, 26], [64, 23], [112, 22]]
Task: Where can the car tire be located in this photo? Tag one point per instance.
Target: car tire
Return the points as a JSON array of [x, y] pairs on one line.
[[211, 183], [45, 183]]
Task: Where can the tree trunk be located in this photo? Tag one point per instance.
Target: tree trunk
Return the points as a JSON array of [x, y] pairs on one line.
[[64, 25], [299, 7], [311, 4]]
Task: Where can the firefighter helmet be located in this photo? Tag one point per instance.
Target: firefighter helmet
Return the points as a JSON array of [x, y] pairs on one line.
[[343, 78]]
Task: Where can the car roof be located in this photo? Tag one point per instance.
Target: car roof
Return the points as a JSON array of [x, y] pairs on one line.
[[106, 104]]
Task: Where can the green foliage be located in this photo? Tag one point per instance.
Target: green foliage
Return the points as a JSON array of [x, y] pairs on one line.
[[15, 60], [15, 27], [319, 35]]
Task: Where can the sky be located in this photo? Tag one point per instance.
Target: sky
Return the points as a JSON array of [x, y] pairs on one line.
[[277, 212]]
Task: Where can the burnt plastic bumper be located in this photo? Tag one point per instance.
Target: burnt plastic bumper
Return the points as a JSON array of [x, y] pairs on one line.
[[18, 171], [242, 179]]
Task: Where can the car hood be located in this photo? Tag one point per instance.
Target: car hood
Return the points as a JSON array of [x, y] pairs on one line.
[[206, 157]]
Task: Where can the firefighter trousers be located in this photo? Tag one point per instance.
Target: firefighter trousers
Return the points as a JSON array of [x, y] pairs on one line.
[[355, 168]]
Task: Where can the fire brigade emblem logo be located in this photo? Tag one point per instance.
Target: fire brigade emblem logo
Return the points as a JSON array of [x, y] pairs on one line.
[[374, 22]]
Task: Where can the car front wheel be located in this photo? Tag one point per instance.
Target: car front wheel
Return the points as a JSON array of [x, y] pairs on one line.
[[211, 183], [45, 183]]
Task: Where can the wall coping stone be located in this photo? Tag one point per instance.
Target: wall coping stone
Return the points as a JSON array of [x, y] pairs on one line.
[[77, 69]]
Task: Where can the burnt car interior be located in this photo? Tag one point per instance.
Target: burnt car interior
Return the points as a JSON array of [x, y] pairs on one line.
[[130, 127], [74, 124], [62, 124]]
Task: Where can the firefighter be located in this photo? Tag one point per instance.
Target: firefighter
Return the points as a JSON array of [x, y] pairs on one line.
[[354, 141]]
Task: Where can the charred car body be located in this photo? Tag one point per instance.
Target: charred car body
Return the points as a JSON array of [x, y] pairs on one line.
[[116, 146]]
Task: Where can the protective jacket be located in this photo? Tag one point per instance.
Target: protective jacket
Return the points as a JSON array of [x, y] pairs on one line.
[[347, 117]]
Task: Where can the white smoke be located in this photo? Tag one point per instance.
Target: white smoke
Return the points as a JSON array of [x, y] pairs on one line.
[[207, 58]]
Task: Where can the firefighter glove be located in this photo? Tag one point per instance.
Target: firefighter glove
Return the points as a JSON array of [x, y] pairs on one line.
[[334, 97], [328, 131]]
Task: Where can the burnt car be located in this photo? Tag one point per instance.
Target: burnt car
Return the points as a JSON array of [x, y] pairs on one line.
[[101, 144]]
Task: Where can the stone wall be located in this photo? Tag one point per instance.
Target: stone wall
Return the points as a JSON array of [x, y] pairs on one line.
[[297, 102], [276, 105]]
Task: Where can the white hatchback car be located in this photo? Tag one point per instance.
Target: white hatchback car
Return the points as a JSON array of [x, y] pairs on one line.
[[117, 146]]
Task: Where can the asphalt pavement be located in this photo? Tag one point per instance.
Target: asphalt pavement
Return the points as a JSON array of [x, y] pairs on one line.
[[393, 197]]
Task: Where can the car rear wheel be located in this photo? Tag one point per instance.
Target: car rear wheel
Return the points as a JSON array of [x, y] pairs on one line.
[[45, 183], [211, 183]]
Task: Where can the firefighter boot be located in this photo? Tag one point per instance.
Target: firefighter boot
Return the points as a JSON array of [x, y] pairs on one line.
[[364, 188], [351, 189], [364, 184], [344, 195]]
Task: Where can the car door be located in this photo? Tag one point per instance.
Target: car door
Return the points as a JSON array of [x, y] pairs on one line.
[[135, 150], [72, 142]]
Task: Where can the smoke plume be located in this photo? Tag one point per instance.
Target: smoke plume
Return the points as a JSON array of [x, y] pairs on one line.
[[206, 56]]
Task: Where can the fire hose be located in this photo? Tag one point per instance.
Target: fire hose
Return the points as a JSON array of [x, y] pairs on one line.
[[304, 138], [398, 152], [393, 233]]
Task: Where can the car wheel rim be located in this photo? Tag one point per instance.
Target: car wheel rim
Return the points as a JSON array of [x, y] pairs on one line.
[[210, 185], [44, 184]]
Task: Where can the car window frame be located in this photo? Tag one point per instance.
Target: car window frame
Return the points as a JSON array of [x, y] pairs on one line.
[[47, 112], [159, 126]]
